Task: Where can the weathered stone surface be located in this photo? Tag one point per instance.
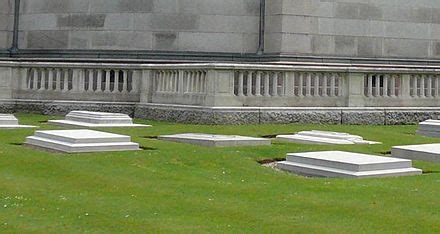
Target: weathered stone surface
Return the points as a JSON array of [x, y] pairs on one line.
[[427, 152], [325, 138], [363, 117], [9, 121], [346, 164], [90, 119], [210, 140], [300, 116], [81, 141]]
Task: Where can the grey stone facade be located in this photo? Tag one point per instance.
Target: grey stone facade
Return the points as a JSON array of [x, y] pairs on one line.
[[6, 22], [314, 28], [355, 28], [159, 25]]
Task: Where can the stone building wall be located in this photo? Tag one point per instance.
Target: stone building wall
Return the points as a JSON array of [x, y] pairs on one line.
[[6, 24], [229, 26], [355, 28]]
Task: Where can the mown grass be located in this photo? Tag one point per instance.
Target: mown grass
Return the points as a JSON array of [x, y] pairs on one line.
[[172, 187]]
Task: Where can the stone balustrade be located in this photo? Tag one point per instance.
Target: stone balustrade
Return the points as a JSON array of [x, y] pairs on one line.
[[221, 85]]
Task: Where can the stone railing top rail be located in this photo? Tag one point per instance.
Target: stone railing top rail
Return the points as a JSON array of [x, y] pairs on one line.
[[299, 66]]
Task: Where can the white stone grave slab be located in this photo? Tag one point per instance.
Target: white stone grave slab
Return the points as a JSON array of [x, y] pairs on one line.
[[90, 119], [210, 140], [426, 152], [324, 138], [429, 128], [346, 165], [81, 141], [9, 121]]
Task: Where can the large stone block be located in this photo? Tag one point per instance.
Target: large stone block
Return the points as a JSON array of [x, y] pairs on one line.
[[90, 119], [429, 128], [81, 141], [325, 138], [47, 39], [346, 165], [209, 140], [122, 5], [427, 152], [9, 121]]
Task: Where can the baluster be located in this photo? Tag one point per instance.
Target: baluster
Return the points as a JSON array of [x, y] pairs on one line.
[[275, 84], [340, 90], [116, 83], [135, 77], [414, 84], [240, 83], [164, 81], [324, 85], [332, 85], [266, 84], [249, 84], [369, 85], [436, 83], [176, 81], [316, 84], [187, 77], [197, 82], [385, 86], [422, 85], [160, 81], [82, 80], [91, 81], [308, 84], [66, 80], [429, 86], [43, 80], [107, 81], [99, 81], [301, 84], [124, 81], [50, 79], [58, 78], [377, 85], [35, 79], [393, 86], [258, 84], [29, 78]]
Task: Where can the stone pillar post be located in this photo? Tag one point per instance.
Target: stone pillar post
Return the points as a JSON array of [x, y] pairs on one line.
[[6, 85], [289, 85], [406, 86], [220, 88], [354, 90], [146, 86]]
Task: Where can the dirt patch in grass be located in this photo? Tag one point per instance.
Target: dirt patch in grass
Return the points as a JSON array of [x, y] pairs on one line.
[[150, 137], [385, 152], [147, 148], [271, 136], [270, 160]]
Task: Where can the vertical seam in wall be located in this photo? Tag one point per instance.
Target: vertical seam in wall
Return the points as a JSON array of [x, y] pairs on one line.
[[259, 115], [342, 117]]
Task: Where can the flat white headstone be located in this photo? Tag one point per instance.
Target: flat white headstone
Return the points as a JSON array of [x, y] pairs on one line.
[[426, 152], [211, 140], [81, 141], [9, 121], [90, 119], [346, 164], [429, 128], [325, 138]]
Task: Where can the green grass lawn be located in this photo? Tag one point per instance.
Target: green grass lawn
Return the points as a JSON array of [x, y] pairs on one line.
[[173, 187]]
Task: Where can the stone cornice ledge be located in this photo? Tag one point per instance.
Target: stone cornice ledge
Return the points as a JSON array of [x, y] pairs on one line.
[[300, 66]]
